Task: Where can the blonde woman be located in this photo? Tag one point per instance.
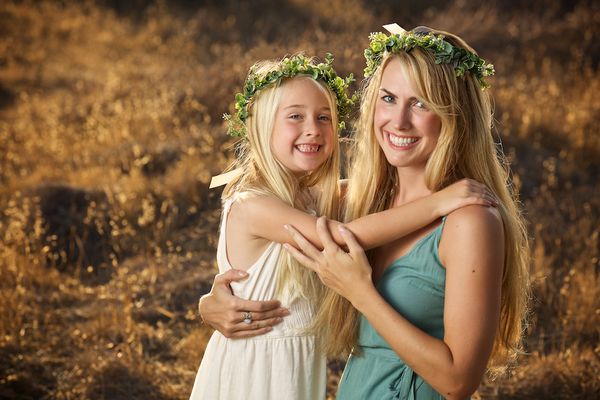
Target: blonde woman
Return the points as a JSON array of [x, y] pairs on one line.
[[288, 117], [426, 315]]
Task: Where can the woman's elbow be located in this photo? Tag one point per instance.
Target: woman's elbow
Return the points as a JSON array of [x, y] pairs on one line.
[[461, 389]]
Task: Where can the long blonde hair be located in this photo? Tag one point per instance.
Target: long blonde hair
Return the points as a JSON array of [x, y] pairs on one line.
[[264, 174], [465, 149]]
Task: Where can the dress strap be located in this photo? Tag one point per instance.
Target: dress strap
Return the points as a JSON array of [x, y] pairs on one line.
[[222, 260]]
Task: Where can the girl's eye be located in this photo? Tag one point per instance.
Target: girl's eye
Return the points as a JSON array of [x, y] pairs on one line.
[[324, 118], [388, 98], [294, 116]]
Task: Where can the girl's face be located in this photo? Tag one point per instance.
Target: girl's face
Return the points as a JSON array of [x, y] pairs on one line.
[[406, 129], [302, 138]]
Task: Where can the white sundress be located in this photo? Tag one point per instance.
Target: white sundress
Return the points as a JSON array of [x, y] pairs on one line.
[[285, 363]]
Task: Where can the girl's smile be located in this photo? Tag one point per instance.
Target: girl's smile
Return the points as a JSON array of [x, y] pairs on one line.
[[303, 129]]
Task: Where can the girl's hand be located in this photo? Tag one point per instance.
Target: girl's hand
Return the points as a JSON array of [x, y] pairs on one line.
[[463, 193], [347, 273], [225, 312]]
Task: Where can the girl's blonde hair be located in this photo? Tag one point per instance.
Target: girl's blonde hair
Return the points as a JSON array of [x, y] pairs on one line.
[[264, 174], [465, 149]]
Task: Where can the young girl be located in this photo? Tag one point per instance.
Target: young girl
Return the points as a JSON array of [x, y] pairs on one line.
[[445, 303], [288, 116]]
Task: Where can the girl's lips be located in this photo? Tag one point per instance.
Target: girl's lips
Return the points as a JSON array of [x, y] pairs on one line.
[[307, 148], [401, 142]]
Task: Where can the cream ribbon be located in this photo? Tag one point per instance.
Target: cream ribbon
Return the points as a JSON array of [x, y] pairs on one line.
[[224, 179], [394, 29]]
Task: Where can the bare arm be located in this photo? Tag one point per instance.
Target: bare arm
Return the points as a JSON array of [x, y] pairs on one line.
[[472, 251], [224, 312], [267, 217]]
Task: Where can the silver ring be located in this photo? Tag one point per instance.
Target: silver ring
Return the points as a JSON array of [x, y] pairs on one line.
[[247, 317]]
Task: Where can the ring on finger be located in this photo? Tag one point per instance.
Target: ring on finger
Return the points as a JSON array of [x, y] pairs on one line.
[[247, 317]]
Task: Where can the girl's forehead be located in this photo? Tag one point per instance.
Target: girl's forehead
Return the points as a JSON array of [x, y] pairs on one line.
[[303, 90]]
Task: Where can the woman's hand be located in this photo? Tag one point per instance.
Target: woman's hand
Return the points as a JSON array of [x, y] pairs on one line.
[[225, 312], [463, 193], [347, 273]]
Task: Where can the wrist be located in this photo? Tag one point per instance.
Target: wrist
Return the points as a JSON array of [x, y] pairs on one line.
[[364, 297], [436, 205]]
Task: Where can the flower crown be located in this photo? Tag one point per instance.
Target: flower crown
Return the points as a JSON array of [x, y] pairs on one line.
[[287, 68], [445, 53]]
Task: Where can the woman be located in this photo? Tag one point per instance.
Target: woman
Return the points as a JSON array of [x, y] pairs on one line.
[[442, 305], [439, 304]]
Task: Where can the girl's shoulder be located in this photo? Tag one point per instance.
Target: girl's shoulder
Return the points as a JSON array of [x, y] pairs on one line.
[[251, 204]]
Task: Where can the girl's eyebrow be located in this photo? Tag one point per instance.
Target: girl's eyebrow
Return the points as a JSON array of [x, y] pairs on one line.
[[324, 108], [387, 92]]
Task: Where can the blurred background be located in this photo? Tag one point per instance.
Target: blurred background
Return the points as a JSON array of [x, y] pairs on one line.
[[110, 129]]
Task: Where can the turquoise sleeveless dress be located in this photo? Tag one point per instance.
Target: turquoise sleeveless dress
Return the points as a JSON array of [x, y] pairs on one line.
[[414, 285]]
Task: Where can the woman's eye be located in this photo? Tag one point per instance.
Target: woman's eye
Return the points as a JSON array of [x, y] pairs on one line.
[[420, 104], [388, 98], [324, 118], [294, 116]]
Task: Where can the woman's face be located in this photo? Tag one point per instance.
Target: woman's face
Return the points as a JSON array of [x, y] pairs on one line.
[[302, 138], [406, 129]]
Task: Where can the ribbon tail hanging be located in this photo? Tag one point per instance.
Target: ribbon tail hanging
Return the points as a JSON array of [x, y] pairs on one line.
[[224, 179]]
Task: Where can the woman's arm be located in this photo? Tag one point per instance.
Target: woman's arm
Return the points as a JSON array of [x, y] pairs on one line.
[[472, 252], [223, 311], [265, 216]]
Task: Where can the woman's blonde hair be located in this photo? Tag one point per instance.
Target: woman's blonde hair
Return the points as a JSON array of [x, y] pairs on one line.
[[465, 149], [264, 174]]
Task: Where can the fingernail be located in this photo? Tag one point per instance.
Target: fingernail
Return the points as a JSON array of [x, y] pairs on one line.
[[279, 319], [286, 312], [242, 273], [342, 229], [286, 227], [268, 328]]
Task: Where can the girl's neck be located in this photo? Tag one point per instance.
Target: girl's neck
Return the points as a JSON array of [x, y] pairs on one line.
[[410, 186]]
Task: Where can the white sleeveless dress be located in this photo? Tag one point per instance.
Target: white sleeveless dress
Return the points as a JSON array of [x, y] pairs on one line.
[[282, 364]]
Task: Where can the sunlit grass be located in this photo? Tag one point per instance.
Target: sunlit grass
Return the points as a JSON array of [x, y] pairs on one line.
[[110, 129]]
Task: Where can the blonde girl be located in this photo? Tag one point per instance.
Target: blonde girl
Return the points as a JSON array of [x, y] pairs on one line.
[[288, 117], [425, 315]]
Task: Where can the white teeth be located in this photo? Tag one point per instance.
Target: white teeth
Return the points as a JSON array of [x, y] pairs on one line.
[[308, 148], [401, 141]]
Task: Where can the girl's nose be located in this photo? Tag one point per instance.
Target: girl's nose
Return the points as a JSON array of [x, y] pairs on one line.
[[312, 128]]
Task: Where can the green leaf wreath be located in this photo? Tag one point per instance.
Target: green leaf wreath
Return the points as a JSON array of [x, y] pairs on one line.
[[287, 68], [445, 53]]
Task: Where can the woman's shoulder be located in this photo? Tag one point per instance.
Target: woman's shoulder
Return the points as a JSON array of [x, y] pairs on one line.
[[472, 221]]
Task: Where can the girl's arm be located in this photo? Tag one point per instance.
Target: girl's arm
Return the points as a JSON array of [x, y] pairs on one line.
[[472, 250], [266, 216]]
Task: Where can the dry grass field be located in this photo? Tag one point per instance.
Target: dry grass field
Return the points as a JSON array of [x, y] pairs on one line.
[[110, 129]]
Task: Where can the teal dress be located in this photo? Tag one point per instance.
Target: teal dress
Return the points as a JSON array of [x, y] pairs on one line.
[[414, 286]]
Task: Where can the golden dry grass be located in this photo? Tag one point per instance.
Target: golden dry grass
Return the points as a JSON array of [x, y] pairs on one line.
[[110, 130]]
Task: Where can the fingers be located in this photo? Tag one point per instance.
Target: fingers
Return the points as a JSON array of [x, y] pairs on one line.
[[249, 333], [301, 257], [325, 236], [269, 315], [255, 328], [354, 247], [229, 276], [478, 193], [257, 306], [310, 251]]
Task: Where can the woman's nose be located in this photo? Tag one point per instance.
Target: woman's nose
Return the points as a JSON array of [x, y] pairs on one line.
[[401, 118]]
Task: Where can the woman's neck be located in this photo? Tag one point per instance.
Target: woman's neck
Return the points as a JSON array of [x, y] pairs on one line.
[[411, 185]]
